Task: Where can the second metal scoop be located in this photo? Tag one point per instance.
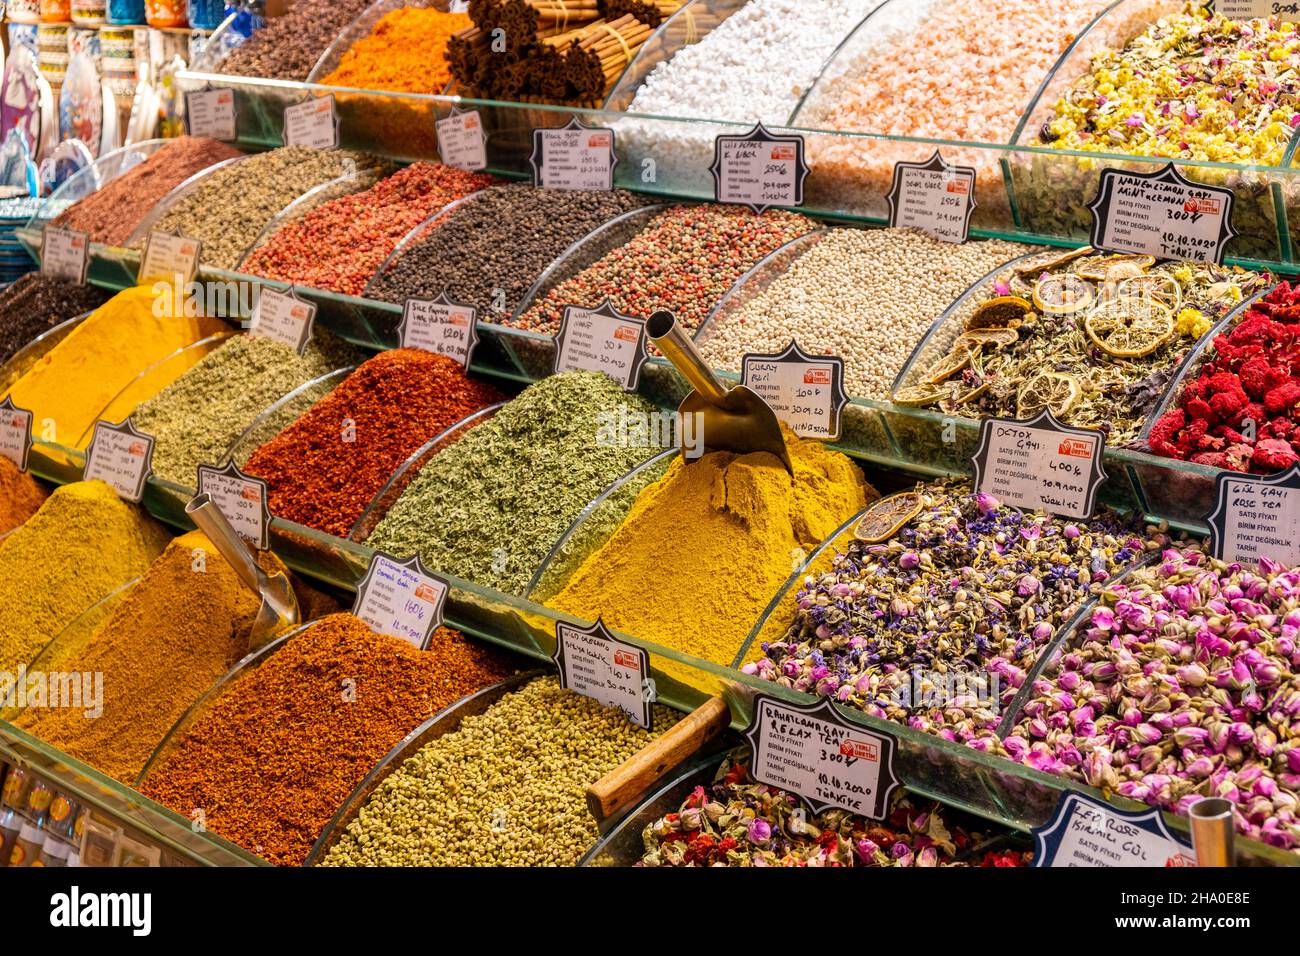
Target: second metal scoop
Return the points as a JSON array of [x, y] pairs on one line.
[[279, 610], [734, 419]]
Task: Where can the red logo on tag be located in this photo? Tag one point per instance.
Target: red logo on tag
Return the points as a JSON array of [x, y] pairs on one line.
[[458, 318], [425, 593], [249, 493], [1075, 448], [782, 152], [136, 448], [598, 140], [958, 186], [1205, 204], [817, 376], [625, 333], [862, 749], [627, 659]]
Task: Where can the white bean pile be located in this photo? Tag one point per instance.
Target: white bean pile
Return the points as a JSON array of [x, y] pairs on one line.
[[866, 295]]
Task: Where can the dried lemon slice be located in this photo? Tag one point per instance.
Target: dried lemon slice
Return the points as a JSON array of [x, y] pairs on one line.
[[978, 338], [960, 397], [1052, 260], [886, 517], [1055, 391], [920, 396], [1100, 270], [999, 313], [1153, 286], [949, 365], [1129, 328], [1063, 294]]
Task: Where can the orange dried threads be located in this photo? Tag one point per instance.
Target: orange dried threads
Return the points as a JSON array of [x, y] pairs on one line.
[[405, 51], [276, 753]]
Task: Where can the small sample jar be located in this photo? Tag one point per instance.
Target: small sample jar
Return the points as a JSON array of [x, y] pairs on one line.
[[165, 13]]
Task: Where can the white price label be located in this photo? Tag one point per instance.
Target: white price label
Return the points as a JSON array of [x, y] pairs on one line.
[[15, 433], [241, 499], [462, 141], [594, 663], [121, 457], [440, 326], [805, 391], [170, 258], [601, 340], [1254, 9], [401, 599], [1088, 833], [65, 254], [573, 157], [759, 169], [313, 124], [1040, 464], [816, 753], [284, 317], [211, 113], [1256, 517], [934, 197], [1161, 214]]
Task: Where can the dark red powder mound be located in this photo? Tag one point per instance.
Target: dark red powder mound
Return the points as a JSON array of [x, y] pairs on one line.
[[325, 468]]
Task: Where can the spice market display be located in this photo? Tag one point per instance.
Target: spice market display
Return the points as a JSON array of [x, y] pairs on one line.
[[356, 508]]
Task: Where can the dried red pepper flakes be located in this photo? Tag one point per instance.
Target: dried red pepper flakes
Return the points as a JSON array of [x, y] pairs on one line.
[[1240, 412], [274, 756], [325, 468], [342, 244]]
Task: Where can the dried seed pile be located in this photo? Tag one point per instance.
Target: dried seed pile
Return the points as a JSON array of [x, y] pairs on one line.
[[289, 45], [36, 303]]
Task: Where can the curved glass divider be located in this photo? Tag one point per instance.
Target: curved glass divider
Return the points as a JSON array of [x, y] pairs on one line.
[[151, 380], [283, 413], [446, 721], [113, 800], [168, 202], [359, 29], [594, 526], [92, 179], [416, 236], [22, 361], [689, 25], [411, 468]]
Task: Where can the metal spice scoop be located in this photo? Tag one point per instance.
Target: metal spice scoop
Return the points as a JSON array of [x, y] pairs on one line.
[[734, 419], [279, 609]]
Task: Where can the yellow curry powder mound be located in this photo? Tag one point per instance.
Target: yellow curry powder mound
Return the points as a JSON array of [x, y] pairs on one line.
[[705, 549], [84, 543], [180, 629], [68, 388]]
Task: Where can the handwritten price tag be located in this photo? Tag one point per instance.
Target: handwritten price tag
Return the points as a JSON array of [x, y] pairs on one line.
[[573, 157], [1161, 214], [1088, 833], [759, 170], [1256, 517], [594, 663], [401, 599], [1040, 464], [934, 197], [461, 140], [440, 326], [65, 254], [601, 340], [122, 457], [1253, 9], [816, 753], [284, 317], [15, 433], [314, 124], [805, 391], [170, 258], [241, 499], [211, 113]]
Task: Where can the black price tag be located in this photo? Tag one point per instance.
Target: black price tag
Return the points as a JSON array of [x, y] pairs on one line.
[[241, 498], [806, 391], [284, 317], [1089, 833], [314, 124], [170, 257], [122, 457], [1256, 517], [933, 196], [573, 156], [596, 664], [65, 254], [759, 169], [1161, 214], [401, 599], [601, 340], [15, 433], [211, 112], [440, 326], [1040, 464], [462, 141]]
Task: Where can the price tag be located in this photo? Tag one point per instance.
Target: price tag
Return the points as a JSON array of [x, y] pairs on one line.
[[813, 751], [314, 123], [401, 599], [15, 433], [461, 140], [934, 197], [242, 499], [1088, 833], [594, 663], [1161, 214], [1256, 517], [601, 340], [211, 113], [170, 257], [284, 317], [1253, 9], [805, 391], [758, 169], [1040, 464], [573, 157], [440, 326], [65, 254], [122, 457]]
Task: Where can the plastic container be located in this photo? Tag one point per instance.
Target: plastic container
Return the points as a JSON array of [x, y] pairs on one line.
[[89, 13], [56, 11], [126, 12], [165, 14], [205, 14], [23, 11]]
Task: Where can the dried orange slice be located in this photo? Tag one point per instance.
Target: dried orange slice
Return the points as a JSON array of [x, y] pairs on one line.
[[886, 517], [1052, 260], [1130, 328], [1056, 391], [1098, 271], [999, 313], [948, 366], [1063, 294], [921, 396], [978, 338]]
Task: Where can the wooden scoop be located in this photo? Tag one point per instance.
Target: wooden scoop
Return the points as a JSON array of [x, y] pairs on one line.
[[734, 419]]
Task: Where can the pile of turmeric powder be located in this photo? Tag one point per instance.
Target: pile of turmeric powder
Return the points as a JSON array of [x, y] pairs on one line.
[[20, 496], [111, 362], [404, 52], [704, 550]]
